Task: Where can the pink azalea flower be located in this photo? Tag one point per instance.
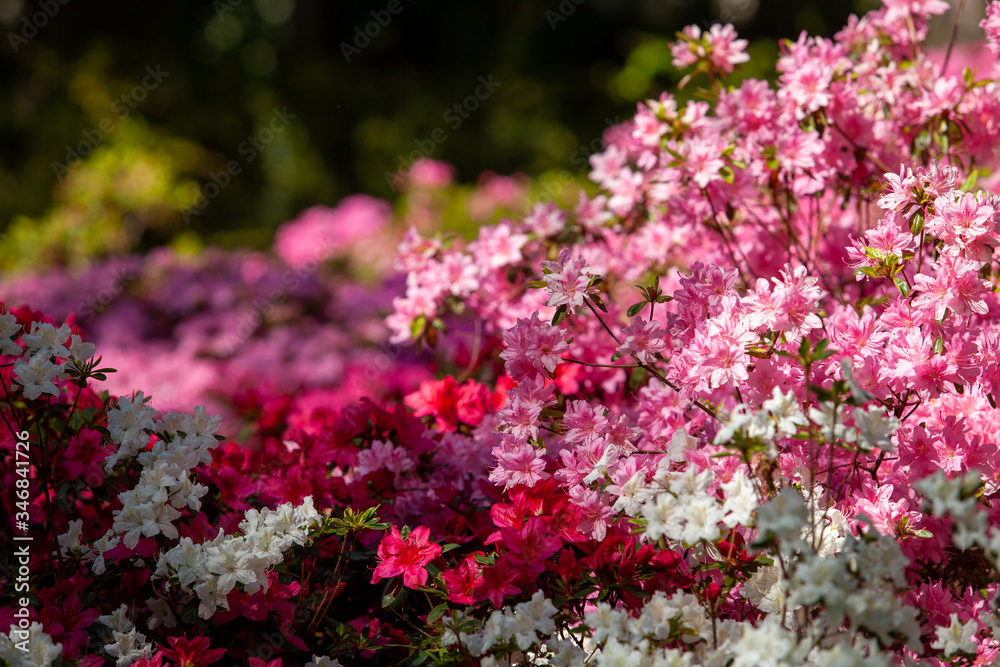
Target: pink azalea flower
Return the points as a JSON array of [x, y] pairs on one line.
[[321, 232], [407, 557], [956, 285], [463, 580], [991, 24]]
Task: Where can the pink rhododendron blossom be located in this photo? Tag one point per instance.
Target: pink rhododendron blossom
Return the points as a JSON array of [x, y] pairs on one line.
[[643, 339], [320, 232], [533, 348], [567, 281], [991, 24], [430, 174], [955, 285], [408, 557]]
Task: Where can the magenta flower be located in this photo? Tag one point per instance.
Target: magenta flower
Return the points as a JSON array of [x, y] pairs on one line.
[[407, 557]]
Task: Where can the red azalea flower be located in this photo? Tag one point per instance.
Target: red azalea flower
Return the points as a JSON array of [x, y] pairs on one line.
[[436, 397], [473, 400], [155, 661], [463, 580], [407, 557], [498, 582], [193, 652]]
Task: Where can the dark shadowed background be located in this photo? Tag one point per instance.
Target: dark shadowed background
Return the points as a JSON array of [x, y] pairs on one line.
[[123, 115]]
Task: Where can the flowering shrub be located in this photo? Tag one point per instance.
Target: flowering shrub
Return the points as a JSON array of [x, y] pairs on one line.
[[736, 408], [213, 329]]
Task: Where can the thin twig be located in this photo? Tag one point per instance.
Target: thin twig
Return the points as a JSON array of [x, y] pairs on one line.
[[954, 37]]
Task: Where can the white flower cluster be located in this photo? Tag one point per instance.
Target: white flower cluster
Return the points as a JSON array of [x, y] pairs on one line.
[[616, 638], [956, 498], [771, 644], [873, 428], [130, 644], [783, 518], [37, 371], [780, 417], [37, 650], [956, 637], [165, 485], [527, 624], [685, 512], [660, 618], [212, 569], [323, 661]]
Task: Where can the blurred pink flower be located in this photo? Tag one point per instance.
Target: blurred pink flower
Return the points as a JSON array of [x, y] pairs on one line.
[[321, 232]]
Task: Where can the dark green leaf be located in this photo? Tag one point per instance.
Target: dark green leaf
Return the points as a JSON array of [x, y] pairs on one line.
[[393, 591], [437, 612], [559, 316]]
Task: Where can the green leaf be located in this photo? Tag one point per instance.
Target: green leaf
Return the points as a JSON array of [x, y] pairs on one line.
[[938, 345], [926, 534], [483, 559], [826, 354], [873, 253], [417, 327], [971, 180], [993, 401], [634, 309], [393, 591], [596, 298], [917, 222], [437, 612], [901, 285], [559, 316], [448, 547]]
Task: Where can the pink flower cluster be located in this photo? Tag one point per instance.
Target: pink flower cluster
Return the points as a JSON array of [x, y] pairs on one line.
[[739, 407]]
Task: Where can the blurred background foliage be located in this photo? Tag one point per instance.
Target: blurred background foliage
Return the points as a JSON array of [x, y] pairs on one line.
[[99, 155]]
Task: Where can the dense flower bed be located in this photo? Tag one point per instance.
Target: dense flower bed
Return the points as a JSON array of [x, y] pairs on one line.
[[737, 408]]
